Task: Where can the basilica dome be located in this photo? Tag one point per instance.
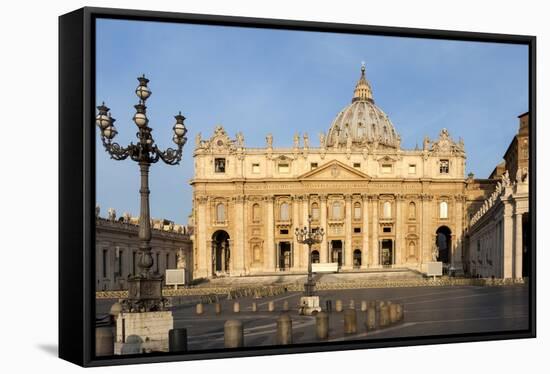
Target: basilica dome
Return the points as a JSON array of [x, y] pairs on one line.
[[362, 121]]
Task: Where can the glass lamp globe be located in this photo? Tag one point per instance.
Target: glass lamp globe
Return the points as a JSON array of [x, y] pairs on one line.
[[140, 119]]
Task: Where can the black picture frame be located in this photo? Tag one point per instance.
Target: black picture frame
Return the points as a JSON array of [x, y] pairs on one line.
[[77, 181]]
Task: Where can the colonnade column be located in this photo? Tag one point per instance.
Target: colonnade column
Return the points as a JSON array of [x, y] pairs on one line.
[[375, 244], [324, 244], [508, 241], [518, 245], [270, 237], [348, 250], [365, 232]]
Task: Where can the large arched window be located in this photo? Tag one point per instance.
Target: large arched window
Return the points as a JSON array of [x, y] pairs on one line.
[[412, 210], [315, 211], [336, 210], [357, 211], [256, 213], [284, 212], [220, 212], [386, 210], [443, 210]]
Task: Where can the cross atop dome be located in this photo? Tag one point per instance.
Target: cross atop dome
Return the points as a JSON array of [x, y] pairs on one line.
[[362, 90]]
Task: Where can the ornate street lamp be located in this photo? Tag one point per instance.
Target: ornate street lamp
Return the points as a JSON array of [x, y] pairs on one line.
[[309, 236], [144, 288]]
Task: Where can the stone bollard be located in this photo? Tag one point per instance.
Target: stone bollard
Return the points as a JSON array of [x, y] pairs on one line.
[[271, 306], [393, 313], [363, 306], [352, 304], [338, 306], [218, 307], [285, 306], [350, 321], [400, 313], [384, 316], [177, 340], [371, 319], [284, 330], [104, 341], [321, 320], [236, 307], [233, 335], [254, 307], [199, 309]]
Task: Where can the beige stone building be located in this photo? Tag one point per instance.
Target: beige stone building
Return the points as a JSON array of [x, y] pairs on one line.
[[117, 249], [498, 233], [381, 206]]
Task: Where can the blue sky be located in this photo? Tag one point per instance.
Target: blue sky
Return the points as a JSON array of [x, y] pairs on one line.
[[262, 81]]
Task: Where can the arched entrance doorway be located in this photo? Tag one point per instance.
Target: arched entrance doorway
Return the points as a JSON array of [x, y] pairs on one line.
[[221, 253], [336, 252], [357, 258], [443, 243]]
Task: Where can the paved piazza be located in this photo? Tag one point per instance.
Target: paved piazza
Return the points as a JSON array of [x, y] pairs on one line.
[[428, 311]]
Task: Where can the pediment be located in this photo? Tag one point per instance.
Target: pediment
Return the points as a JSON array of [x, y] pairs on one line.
[[334, 170]]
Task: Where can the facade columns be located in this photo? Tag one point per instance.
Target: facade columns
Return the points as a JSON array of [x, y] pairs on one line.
[[348, 248], [270, 236], [296, 246], [398, 246], [305, 215], [458, 244], [324, 254], [375, 227], [365, 232], [237, 262], [204, 253], [518, 245]]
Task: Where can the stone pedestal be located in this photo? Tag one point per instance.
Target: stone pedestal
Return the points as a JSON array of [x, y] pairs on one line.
[[309, 305], [143, 332]]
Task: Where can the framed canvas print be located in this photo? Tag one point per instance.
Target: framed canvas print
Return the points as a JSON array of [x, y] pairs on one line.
[[274, 186]]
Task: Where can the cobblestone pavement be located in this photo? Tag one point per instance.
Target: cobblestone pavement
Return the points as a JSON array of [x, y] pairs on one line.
[[427, 311]]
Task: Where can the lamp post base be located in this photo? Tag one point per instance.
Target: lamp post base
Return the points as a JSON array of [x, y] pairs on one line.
[[309, 305], [145, 294]]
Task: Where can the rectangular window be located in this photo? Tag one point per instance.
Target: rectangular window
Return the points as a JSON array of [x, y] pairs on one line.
[[157, 263], [386, 229], [104, 263], [356, 164], [412, 169], [284, 168], [284, 232], [256, 168], [219, 165], [314, 165], [357, 212], [357, 230], [444, 166], [386, 168], [120, 257]]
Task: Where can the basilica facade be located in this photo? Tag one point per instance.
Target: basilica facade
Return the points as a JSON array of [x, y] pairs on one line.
[[381, 206]]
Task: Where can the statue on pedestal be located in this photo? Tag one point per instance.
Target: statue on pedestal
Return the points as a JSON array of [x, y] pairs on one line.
[[435, 253], [181, 264]]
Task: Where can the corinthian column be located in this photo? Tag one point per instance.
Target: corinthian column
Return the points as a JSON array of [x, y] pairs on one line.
[[203, 253], [304, 255], [348, 251], [324, 248], [296, 246], [365, 233], [269, 264], [375, 244], [518, 244]]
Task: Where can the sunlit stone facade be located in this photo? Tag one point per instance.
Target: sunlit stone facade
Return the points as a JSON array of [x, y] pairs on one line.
[[381, 206]]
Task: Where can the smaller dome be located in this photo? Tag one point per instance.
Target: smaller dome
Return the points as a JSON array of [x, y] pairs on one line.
[[362, 121]]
